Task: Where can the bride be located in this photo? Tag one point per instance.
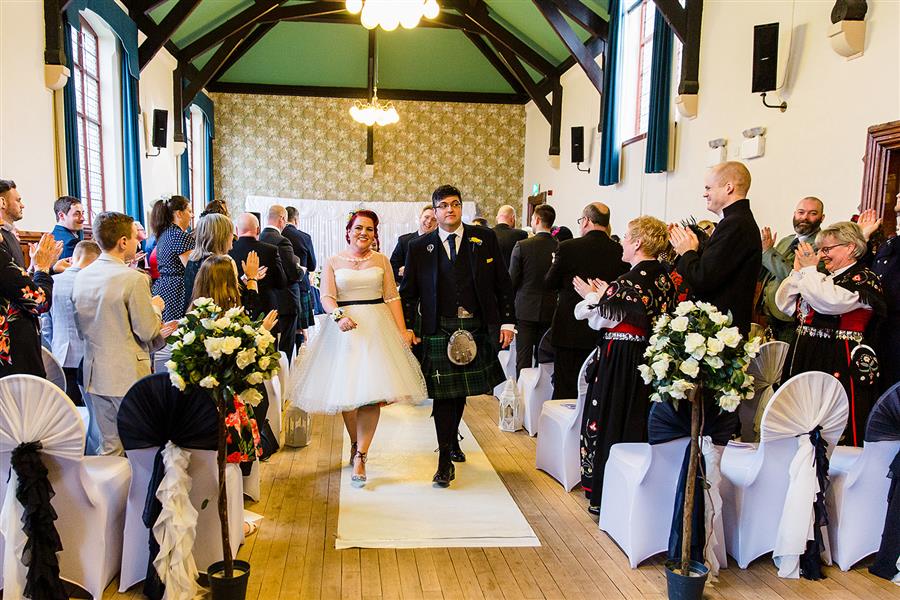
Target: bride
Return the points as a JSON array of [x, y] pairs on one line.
[[361, 358]]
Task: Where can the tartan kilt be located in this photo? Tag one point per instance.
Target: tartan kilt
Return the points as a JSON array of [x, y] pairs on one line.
[[305, 318], [446, 380]]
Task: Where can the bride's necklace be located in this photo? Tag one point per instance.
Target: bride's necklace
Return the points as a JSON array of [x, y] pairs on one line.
[[352, 259]]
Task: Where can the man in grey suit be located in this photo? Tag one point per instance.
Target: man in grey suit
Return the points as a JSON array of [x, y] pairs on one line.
[[120, 323], [65, 341], [535, 303], [778, 262]]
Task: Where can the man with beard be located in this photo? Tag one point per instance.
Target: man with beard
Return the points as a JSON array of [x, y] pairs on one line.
[[778, 261]]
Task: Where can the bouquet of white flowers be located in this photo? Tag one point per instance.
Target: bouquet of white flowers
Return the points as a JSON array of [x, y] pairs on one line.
[[692, 350], [698, 345], [229, 354]]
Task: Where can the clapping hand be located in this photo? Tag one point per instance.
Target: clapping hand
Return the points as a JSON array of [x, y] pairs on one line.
[[768, 238], [868, 222], [137, 259], [805, 256], [251, 265], [271, 320], [595, 286], [683, 239], [62, 264], [45, 252]]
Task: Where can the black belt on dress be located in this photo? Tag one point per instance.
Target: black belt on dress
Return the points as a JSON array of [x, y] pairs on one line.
[[355, 302]]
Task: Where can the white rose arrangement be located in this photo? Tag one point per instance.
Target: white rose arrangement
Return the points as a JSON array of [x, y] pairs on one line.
[[697, 346]]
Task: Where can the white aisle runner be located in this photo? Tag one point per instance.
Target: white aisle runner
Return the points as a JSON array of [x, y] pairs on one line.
[[399, 507]]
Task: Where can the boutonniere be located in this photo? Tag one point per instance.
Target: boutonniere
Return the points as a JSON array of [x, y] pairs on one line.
[[430, 247], [475, 240]]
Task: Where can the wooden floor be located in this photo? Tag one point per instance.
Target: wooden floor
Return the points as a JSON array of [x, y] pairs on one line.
[[293, 556]]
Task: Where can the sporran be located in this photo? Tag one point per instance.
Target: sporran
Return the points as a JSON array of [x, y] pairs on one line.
[[461, 348]]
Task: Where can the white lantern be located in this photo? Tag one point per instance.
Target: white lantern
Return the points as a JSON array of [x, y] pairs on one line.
[[512, 412]]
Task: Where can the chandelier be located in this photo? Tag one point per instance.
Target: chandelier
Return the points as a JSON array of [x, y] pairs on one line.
[[374, 112], [391, 13]]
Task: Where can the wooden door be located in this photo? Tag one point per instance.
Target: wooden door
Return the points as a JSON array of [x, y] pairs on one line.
[[881, 174]]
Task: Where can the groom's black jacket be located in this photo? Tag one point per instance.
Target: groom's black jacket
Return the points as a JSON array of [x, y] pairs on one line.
[[419, 288]]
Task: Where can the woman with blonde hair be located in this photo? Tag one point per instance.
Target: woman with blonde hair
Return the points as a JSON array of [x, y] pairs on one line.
[[214, 236], [835, 315], [623, 311]]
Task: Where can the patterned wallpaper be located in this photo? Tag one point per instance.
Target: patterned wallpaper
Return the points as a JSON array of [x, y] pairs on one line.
[[302, 147]]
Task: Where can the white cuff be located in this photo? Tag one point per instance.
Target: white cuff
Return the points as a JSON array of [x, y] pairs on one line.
[[508, 327]]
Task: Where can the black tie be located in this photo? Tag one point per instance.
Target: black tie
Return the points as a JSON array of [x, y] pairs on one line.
[[451, 243], [793, 247]]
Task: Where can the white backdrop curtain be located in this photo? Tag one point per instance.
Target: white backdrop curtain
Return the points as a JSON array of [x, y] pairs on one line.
[[325, 220]]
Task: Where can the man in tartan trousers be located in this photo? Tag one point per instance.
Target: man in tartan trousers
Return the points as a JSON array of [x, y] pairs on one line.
[[456, 278]]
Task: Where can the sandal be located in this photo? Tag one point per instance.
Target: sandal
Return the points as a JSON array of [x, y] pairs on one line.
[[250, 527], [359, 481], [353, 448]]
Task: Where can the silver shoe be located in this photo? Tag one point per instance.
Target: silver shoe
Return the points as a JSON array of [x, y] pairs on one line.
[[358, 481]]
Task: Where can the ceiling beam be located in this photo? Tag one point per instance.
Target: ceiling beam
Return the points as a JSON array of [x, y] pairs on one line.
[[675, 15], [540, 100], [303, 11], [568, 36], [257, 34], [237, 23], [555, 118], [54, 33], [478, 14], [146, 25], [361, 93], [495, 61], [162, 33], [689, 82], [584, 16], [225, 50], [145, 6], [595, 46]]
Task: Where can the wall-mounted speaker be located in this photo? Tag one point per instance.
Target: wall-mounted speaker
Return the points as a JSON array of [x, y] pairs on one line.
[[765, 57], [578, 144], [160, 127]]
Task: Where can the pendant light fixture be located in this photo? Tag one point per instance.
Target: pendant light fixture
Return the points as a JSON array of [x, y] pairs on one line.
[[389, 14], [374, 112]]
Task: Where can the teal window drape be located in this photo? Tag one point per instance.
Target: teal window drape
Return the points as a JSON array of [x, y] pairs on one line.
[[208, 167], [70, 119], [657, 159], [609, 142], [185, 159], [131, 150]]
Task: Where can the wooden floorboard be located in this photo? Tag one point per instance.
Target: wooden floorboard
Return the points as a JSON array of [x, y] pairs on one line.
[[293, 555]]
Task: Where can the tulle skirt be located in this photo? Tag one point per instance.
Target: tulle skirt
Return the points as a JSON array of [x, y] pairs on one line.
[[343, 370]]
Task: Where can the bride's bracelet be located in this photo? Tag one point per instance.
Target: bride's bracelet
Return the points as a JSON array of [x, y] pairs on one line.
[[338, 314]]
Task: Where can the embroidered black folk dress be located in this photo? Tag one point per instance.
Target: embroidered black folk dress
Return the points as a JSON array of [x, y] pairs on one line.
[[835, 314], [618, 401]]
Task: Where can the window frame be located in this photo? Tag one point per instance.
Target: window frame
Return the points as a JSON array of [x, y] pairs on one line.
[[189, 148], [83, 118], [645, 39]]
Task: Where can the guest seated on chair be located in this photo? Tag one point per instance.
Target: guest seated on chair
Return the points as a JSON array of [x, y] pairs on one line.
[[835, 313], [618, 400]]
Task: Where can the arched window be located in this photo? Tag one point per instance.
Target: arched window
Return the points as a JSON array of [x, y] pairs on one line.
[[86, 77]]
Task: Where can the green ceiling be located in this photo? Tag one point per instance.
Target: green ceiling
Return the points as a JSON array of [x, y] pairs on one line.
[[303, 53]]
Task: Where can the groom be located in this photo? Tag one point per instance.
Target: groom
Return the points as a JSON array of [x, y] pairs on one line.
[[455, 276]]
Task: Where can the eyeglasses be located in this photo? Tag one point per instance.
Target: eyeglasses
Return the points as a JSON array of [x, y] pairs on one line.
[[444, 206], [581, 220], [828, 249]]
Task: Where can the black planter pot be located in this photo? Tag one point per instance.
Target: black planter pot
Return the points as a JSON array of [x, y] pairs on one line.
[[681, 587], [234, 588]]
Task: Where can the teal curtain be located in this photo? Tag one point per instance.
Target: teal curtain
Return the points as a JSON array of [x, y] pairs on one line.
[[185, 160], [208, 171], [70, 117], [609, 142], [657, 159], [119, 22], [131, 144]]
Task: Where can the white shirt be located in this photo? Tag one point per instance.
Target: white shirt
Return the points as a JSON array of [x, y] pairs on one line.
[[593, 316], [818, 290], [445, 235]]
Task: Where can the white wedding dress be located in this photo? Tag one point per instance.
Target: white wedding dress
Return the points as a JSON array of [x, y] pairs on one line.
[[343, 370]]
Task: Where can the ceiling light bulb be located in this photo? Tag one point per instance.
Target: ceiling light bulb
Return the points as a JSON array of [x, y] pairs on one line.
[[390, 20], [431, 9], [354, 6], [410, 17], [369, 18]]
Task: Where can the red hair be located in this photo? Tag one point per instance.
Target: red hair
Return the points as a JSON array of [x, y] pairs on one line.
[[362, 213]]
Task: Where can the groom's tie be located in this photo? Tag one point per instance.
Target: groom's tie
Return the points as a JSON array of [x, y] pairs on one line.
[[451, 243]]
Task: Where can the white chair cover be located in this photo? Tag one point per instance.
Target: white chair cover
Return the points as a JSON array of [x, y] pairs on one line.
[[766, 369], [90, 491], [31, 412], [176, 526], [55, 374], [559, 435], [814, 399], [274, 414], [284, 368], [535, 387], [507, 360], [714, 551]]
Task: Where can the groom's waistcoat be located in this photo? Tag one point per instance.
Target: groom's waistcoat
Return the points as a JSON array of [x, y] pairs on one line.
[[456, 285]]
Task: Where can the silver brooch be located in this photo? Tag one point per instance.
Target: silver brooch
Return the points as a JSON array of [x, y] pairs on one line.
[[430, 247]]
